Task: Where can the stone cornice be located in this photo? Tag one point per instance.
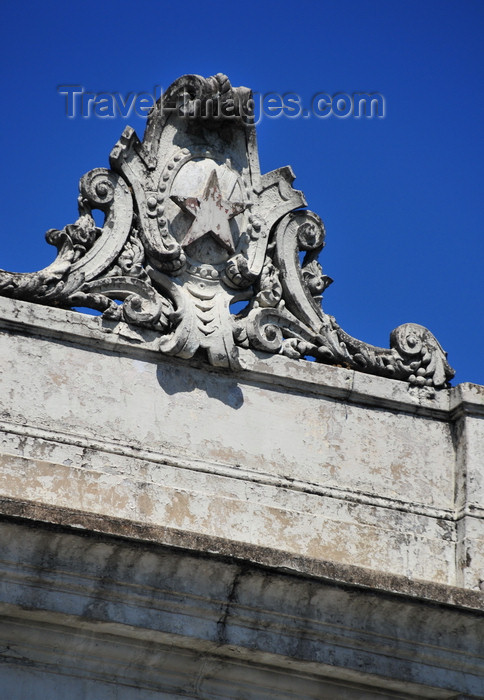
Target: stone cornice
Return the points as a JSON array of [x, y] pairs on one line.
[[219, 607]]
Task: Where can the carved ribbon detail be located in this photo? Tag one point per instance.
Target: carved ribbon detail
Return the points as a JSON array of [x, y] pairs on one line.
[[191, 227]]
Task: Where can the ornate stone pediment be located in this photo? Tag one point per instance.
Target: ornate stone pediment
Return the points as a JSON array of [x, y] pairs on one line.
[[192, 227]]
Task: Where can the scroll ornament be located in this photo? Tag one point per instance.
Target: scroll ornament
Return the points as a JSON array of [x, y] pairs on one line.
[[191, 227]]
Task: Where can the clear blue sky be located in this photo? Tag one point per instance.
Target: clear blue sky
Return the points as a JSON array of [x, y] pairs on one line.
[[401, 197]]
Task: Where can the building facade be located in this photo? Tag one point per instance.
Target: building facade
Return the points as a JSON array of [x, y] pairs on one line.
[[190, 508]]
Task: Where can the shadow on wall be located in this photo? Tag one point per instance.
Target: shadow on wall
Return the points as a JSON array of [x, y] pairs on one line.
[[223, 388]]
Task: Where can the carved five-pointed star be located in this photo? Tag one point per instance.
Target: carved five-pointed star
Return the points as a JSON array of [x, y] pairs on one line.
[[212, 214]]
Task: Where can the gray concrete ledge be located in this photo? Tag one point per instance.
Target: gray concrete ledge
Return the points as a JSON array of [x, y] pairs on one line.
[[79, 610], [34, 515]]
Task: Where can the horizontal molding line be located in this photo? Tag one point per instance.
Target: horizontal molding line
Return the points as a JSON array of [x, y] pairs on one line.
[[119, 656], [350, 394], [80, 586], [126, 450], [466, 408]]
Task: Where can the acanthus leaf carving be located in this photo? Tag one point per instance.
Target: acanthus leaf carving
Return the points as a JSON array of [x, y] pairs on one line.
[[191, 227]]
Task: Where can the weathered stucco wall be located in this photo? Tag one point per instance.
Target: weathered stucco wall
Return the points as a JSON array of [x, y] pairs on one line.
[[303, 458], [171, 530]]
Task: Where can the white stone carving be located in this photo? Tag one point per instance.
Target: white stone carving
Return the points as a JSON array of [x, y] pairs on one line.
[[191, 227]]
